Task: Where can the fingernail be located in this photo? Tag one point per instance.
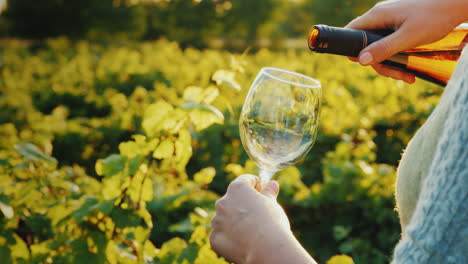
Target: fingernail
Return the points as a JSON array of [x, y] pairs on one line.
[[274, 186], [365, 58]]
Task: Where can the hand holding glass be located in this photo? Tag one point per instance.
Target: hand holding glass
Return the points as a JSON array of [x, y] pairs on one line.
[[279, 119]]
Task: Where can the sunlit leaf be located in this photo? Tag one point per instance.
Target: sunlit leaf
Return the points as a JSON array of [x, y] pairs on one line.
[[6, 210], [203, 115], [234, 168], [183, 148], [193, 93], [207, 255], [141, 188], [205, 176], [191, 105], [164, 150], [340, 259], [227, 77], [199, 235], [129, 149], [149, 249], [210, 94], [19, 250], [154, 117], [111, 187]]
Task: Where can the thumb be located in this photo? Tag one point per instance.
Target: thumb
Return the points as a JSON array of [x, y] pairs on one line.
[[387, 47], [271, 190]]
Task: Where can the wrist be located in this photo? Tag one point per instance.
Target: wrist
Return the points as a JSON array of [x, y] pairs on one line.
[[456, 9], [277, 247]]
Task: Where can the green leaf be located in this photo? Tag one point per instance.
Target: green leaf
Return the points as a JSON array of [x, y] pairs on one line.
[[100, 241], [111, 165], [5, 255], [33, 153], [82, 255], [89, 205], [22, 165], [106, 206], [134, 164], [184, 226], [189, 253], [125, 218], [4, 162], [340, 232], [40, 225], [164, 150]]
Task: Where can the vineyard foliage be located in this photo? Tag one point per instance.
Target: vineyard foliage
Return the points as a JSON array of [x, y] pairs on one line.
[[116, 154]]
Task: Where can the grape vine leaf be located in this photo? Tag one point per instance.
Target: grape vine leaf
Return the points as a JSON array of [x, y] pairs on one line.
[[164, 150], [111, 165], [33, 153]]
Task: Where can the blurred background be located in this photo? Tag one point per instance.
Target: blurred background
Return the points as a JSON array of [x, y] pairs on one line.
[[197, 23], [119, 129]]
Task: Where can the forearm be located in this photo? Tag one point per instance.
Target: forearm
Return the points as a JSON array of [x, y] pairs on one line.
[[279, 250]]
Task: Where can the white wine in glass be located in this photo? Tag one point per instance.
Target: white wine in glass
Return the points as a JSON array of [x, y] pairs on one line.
[[279, 119]]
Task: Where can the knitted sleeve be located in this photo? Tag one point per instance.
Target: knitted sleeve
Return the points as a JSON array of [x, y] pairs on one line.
[[438, 231]]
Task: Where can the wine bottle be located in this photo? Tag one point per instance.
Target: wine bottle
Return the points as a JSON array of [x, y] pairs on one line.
[[434, 62]]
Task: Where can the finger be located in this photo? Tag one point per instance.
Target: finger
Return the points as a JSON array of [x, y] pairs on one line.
[[394, 73], [244, 181], [250, 179], [353, 59], [370, 20], [388, 46], [271, 190]]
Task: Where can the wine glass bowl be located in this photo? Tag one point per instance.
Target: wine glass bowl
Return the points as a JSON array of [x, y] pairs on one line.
[[279, 119]]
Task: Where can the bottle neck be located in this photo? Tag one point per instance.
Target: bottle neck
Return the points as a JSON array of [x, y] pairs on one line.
[[350, 42], [340, 41]]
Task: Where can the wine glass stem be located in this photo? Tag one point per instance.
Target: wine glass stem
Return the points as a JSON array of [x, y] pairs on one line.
[[265, 176]]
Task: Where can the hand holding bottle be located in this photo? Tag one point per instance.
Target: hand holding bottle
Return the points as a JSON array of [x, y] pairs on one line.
[[416, 22]]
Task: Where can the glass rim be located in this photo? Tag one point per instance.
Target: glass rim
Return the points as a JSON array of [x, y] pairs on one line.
[[316, 85]]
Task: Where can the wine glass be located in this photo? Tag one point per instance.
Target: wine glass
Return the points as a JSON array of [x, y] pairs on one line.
[[279, 119]]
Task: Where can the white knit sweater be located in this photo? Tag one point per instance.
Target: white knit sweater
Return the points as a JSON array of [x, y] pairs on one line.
[[432, 184]]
